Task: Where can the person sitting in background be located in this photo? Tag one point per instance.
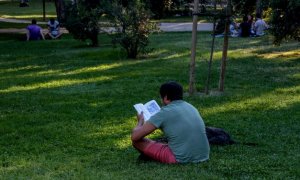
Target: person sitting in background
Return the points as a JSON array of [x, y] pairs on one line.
[[220, 26], [34, 32], [251, 22], [245, 27], [259, 26], [233, 29], [54, 30], [24, 3]]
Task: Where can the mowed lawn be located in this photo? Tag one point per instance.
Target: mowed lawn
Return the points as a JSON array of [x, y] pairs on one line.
[[66, 110], [11, 9]]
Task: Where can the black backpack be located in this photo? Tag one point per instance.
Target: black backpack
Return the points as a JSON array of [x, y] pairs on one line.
[[218, 136]]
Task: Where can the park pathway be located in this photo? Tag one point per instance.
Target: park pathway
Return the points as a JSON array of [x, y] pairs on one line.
[[166, 27]]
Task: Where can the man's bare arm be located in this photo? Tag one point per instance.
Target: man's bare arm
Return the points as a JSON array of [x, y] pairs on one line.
[[142, 129]]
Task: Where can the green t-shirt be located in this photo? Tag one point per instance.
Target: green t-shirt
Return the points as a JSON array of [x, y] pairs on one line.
[[185, 131]]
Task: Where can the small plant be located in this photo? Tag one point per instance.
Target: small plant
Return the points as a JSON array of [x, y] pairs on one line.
[[133, 26]]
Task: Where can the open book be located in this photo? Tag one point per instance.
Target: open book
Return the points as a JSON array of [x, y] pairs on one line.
[[148, 109]]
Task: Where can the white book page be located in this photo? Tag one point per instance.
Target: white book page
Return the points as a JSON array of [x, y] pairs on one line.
[[141, 108], [149, 109], [152, 107], [138, 108]]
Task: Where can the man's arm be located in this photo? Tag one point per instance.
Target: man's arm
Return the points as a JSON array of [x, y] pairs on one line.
[[41, 32], [266, 25], [142, 129], [27, 34]]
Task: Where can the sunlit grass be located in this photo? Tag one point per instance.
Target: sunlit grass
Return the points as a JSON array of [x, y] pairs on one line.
[[275, 100], [54, 84], [94, 69], [288, 54], [28, 17]]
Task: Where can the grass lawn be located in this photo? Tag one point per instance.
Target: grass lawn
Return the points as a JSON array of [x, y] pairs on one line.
[[11, 9], [66, 110]]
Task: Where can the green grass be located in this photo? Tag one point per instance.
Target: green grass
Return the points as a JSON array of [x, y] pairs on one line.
[[66, 109], [11, 9]]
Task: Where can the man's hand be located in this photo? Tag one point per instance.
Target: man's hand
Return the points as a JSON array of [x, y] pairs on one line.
[[142, 129], [140, 118]]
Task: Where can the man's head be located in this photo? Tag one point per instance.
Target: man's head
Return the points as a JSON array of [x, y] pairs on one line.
[[171, 91], [258, 15], [52, 20], [33, 21]]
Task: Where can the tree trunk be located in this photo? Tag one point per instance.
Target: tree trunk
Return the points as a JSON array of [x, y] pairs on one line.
[[258, 7], [225, 48], [60, 10], [94, 37], [44, 10], [192, 88]]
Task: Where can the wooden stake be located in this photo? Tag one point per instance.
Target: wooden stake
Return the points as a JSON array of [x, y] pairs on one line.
[[211, 52], [192, 87]]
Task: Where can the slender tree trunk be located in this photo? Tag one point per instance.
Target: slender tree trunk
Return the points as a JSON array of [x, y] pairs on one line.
[[192, 87], [60, 10], [225, 48], [44, 10]]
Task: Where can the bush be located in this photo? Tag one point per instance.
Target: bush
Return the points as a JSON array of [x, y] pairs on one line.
[[82, 21], [133, 26], [285, 20]]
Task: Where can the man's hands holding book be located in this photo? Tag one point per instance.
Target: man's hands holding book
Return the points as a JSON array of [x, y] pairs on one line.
[[140, 118]]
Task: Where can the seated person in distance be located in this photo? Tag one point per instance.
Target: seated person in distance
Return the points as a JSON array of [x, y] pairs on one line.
[[54, 29], [34, 32], [260, 26]]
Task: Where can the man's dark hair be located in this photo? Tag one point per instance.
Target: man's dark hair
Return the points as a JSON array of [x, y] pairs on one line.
[[33, 21], [172, 90], [258, 15], [52, 20]]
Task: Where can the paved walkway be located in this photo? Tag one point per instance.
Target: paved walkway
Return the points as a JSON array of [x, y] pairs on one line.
[[166, 27], [179, 27]]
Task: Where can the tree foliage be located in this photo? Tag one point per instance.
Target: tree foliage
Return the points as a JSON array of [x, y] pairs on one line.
[[82, 20], [165, 8], [244, 7], [285, 20], [133, 26]]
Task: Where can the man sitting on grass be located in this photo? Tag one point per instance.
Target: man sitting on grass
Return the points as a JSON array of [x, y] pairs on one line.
[[34, 32], [182, 125]]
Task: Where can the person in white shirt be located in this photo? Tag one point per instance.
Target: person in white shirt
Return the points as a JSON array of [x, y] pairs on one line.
[[54, 30], [260, 26]]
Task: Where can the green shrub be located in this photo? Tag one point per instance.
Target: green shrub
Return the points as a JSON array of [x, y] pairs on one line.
[[133, 26], [285, 20], [82, 21]]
